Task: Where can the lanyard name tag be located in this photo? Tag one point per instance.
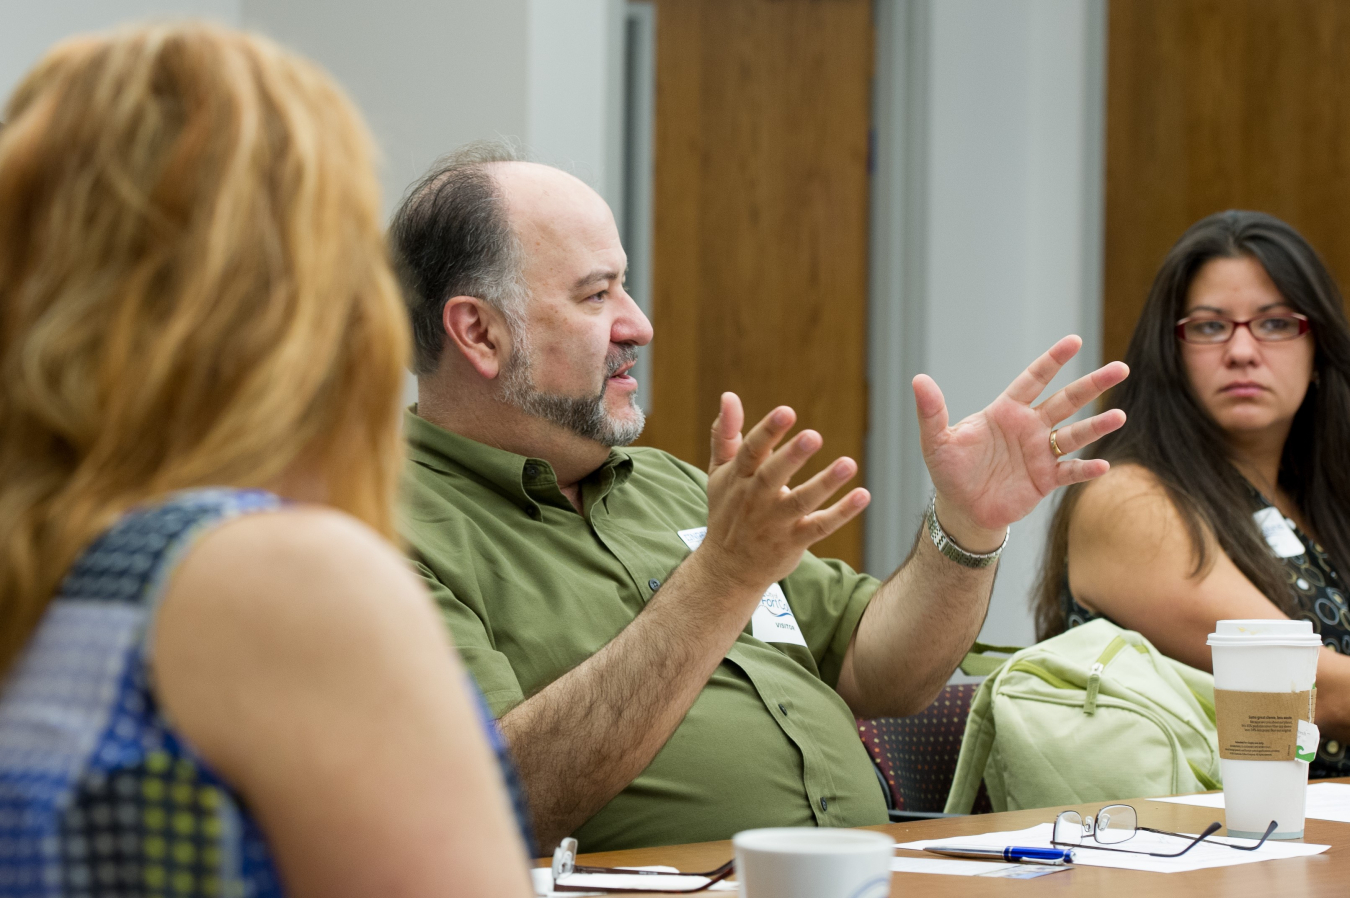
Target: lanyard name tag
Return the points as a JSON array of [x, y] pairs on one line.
[[1279, 536], [773, 620]]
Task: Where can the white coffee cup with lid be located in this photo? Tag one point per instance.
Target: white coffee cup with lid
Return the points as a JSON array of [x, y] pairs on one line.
[[1263, 656], [810, 862]]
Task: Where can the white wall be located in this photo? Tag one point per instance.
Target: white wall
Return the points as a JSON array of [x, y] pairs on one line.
[[574, 90], [429, 75], [987, 211], [28, 28]]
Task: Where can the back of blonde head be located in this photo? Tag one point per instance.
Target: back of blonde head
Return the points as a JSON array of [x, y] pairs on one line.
[[193, 291]]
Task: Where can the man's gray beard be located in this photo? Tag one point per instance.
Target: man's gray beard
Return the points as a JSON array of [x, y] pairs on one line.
[[585, 416]]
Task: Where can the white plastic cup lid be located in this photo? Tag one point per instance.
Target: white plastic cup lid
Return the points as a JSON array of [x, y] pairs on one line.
[[1293, 633], [812, 840]]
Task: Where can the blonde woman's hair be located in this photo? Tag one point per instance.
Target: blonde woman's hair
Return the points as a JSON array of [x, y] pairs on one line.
[[194, 291]]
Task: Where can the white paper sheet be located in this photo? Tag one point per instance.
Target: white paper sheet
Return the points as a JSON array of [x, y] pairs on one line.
[[1202, 800], [1201, 857], [949, 867], [1326, 801]]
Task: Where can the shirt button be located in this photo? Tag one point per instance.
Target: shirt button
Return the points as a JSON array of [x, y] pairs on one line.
[[783, 709], [533, 512], [653, 584], [824, 805], [531, 471]]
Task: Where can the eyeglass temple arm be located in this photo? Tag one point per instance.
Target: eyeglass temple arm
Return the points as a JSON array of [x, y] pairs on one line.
[[1209, 831], [721, 872], [712, 876], [1214, 827]]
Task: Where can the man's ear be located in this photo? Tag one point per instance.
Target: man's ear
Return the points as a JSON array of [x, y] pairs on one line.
[[478, 332]]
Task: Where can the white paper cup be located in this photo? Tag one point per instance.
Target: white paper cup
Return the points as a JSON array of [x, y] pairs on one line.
[[806, 862], [1264, 656]]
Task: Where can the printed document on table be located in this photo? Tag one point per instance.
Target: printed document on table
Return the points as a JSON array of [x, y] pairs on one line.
[[1326, 801], [1201, 857]]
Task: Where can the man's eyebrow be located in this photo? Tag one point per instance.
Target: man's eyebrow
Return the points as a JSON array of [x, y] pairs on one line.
[[600, 275]]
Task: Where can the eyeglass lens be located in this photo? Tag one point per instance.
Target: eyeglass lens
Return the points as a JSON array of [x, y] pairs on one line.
[[1116, 823], [1069, 828], [1270, 329], [1113, 823]]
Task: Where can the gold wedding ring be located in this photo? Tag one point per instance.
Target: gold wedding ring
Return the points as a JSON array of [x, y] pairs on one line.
[[1054, 447]]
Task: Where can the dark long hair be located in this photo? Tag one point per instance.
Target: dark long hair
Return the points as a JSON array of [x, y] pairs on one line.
[[1171, 434]]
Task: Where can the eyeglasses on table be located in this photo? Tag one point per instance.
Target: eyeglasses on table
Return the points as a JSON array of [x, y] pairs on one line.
[[1118, 823], [622, 879]]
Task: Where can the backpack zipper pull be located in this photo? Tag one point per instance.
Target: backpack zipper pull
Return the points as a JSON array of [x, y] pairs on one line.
[[1093, 684]]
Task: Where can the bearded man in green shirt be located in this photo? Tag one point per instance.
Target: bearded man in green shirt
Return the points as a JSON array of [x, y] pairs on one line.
[[668, 662]]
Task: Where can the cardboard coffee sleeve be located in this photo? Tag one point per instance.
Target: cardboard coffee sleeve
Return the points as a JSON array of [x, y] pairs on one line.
[[1261, 726]]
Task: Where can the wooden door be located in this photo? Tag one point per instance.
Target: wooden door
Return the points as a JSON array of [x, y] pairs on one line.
[[1221, 104], [759, 267]]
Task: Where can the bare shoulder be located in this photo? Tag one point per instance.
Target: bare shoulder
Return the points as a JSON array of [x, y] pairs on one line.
[[1124, 482], [1126, 507], [1130, 552], [272, 614], [300, 657], [281, 571], [301, 534]]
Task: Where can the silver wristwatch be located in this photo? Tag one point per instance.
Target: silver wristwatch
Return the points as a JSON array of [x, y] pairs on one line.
[[948, 547]]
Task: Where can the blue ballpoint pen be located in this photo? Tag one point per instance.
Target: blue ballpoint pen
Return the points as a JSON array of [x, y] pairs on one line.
[[1052, 856]]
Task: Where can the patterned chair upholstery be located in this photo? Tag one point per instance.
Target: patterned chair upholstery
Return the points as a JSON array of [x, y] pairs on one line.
[[916, 755]]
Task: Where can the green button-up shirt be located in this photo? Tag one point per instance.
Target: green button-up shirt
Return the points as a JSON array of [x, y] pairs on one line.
[[530, 589]]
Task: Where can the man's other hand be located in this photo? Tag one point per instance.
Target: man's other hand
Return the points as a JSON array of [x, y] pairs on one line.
[[758, 528], [994, 466]]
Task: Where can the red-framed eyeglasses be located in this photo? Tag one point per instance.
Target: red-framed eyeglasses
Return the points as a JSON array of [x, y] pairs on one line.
[[1211, 329]]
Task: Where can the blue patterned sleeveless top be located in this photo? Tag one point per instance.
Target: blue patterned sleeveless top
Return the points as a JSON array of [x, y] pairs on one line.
[[99, 795]]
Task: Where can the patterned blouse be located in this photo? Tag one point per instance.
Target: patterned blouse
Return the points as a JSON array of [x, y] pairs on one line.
[[99, 795], [1321, 599]]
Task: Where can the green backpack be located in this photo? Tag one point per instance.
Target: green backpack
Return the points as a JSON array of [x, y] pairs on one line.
[[1093, 714]]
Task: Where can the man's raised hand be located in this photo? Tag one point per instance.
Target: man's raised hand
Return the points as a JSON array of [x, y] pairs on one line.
[[758, 527], [991, 468]]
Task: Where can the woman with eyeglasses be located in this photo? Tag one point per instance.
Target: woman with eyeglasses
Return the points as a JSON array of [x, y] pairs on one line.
[[1229, 491]]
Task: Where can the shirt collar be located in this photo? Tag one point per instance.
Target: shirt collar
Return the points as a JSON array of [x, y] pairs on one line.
[[526, 480]]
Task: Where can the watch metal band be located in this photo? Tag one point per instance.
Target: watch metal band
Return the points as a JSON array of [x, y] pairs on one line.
[[948, 547]]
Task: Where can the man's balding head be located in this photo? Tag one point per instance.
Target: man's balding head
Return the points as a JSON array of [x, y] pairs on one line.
[[547, 205], [451, 236], [473, 225]]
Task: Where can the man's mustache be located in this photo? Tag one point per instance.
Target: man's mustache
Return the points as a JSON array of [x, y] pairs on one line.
[[617, 358]]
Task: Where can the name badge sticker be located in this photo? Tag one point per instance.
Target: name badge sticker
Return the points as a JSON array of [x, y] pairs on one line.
[[1279, 535], [693, 538], [773, 620]]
